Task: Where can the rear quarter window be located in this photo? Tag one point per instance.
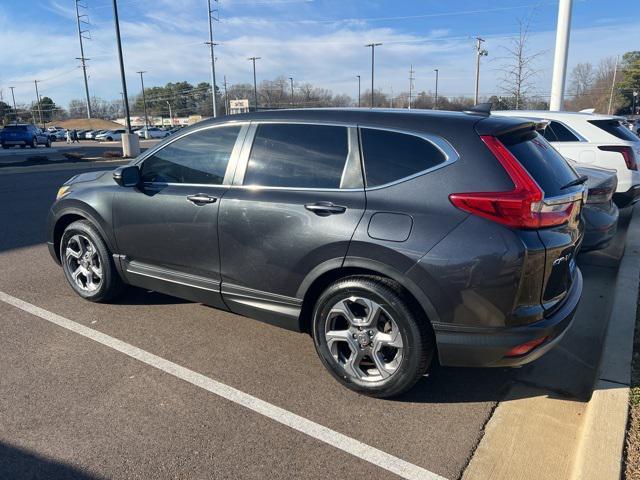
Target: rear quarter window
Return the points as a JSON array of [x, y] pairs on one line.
[[543, 162], [390, 156]]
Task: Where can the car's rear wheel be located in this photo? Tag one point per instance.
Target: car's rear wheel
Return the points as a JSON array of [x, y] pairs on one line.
[[370, 337], [87, 263], [48, 144], [34, 143]]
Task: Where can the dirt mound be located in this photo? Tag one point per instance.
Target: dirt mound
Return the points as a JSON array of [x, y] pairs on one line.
[[84, 123]]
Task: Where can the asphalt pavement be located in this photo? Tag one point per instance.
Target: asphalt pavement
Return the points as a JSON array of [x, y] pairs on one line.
[[71, 407]]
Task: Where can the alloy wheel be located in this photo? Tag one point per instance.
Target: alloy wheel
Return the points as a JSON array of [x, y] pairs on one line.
[[83, 263], [363, 339]]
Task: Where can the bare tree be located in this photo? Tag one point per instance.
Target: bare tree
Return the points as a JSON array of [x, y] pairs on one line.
[[582, 78], [518, 66]]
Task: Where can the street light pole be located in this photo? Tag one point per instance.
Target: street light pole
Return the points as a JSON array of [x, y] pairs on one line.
[[170, 113], [38, 100], [255, 85], [213, 60], [125, 96], [15, 109], [435, 101], [291, 80], [144, 100], [480, 52], [358, 90], [560, 55], [373, 57]]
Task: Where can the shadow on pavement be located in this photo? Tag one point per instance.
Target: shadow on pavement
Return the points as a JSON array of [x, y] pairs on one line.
[[18, 463]]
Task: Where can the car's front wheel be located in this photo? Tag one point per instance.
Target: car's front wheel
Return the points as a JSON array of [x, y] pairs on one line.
[[87, 264], [370, 336]]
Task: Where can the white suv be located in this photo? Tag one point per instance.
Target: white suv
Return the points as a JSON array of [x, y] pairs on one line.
[[601, 140]]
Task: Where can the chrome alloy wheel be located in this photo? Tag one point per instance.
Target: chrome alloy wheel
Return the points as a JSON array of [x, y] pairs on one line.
[[363, 339], [83, 263]]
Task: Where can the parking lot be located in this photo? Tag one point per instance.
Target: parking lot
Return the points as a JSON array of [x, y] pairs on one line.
[[78, 407]]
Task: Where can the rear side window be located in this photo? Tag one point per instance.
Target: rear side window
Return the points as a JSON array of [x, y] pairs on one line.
[[200, 157], [391, 156], [615, 128], [547, 167], [562, 133], [297, 156], [15, 128]]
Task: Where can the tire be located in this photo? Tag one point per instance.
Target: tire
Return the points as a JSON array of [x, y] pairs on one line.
[[5, 146], [83, 238], [393, 352], [23, 146], [109, 139], [48, 144], [34, 143]]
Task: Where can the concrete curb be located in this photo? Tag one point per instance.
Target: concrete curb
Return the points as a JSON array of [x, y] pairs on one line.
[[600, 451]]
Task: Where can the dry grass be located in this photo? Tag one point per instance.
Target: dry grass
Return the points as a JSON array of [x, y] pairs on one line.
[[83, 123], [112, 154], [632, 447]]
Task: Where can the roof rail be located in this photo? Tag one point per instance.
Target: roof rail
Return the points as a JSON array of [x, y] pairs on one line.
[[483, 109]]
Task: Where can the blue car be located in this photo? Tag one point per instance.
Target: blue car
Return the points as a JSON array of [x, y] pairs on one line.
[[23, 135]]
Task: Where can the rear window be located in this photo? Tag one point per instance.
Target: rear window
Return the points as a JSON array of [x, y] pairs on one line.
[[547, 167], [615, 128], [391, 156], [15, 128]]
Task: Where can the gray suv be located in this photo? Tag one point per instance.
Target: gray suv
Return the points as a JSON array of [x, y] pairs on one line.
[[392, 237]]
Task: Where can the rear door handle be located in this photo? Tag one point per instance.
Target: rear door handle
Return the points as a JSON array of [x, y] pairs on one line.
[[325, 208], [201, 198]]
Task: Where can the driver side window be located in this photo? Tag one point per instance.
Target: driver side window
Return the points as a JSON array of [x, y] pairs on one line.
[[199, 158]]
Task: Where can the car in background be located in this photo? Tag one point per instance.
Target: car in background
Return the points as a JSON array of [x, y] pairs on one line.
[[92, 134], [110, 135], [600, 213], [23, 135], [153, 132], [392, 237], [600, 140]]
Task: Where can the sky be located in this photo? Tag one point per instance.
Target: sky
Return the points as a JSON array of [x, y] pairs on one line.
[[316, 41]]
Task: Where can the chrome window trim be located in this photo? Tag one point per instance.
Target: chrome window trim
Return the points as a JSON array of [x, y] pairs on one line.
[[450, 154], [231, 165], [571, 197]]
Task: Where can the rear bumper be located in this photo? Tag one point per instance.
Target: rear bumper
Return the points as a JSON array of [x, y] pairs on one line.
[[464, 346], [601, 225], [624, 199], [16, 142]]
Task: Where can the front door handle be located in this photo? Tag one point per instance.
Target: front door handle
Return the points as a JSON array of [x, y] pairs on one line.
[[325, 208], [201, 198]]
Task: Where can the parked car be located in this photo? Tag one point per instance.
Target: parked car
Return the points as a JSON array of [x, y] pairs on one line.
[[60, 135], [92, 134], [390, 236], [110, 135], [600, 213], [154, 132], [599, 140], [23, 135]]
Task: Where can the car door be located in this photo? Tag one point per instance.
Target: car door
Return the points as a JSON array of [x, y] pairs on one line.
[[167, 228], [296, 200]]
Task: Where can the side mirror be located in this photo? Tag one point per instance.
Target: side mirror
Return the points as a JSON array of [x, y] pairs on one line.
[[128, 176]]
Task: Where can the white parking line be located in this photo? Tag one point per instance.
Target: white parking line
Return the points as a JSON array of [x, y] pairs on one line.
[[331, 437]]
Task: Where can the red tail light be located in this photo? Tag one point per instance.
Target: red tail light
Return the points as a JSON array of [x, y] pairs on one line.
[[521, 207], [525, 348], [627, 154]]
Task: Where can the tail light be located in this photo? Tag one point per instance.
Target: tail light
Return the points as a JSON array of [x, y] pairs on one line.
[[521, 207], [627, 154], [600, 195], [525, 348]]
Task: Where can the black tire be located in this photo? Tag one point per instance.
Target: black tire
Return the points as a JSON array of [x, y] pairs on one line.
[[5, 146], [111, 284], [416, 333], [23, 146], [34, 143], [109, 139], [48, 144]]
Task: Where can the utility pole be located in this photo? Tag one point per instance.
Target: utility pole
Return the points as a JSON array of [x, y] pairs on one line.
[[291, 80], [613, 84], [435, 101], [80, 19], [480, 52], [358, 90], [411, 79], [373, 58], [560, 56], [633, 110], [38, 100], [213, 58], [15, 109], [130, 144], [226, 98], [144, 99], [255, 85], [170, 113]]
